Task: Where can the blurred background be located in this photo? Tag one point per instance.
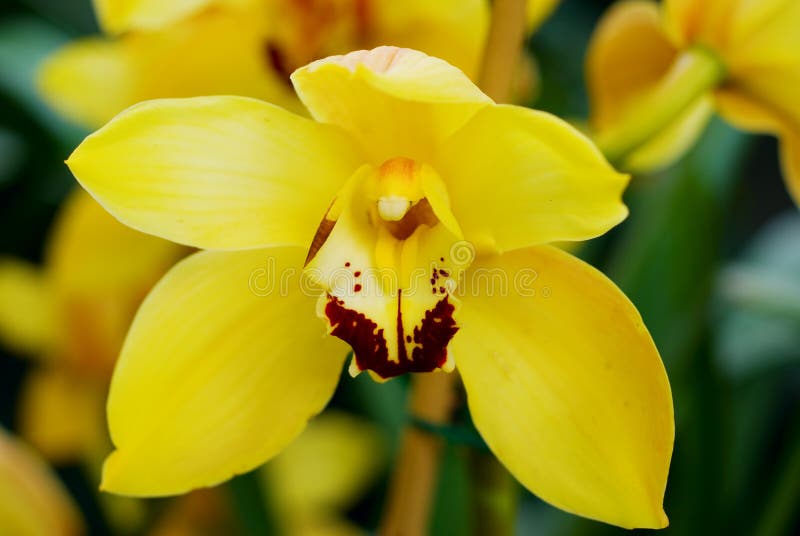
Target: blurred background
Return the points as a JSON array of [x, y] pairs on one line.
[[710, 255]]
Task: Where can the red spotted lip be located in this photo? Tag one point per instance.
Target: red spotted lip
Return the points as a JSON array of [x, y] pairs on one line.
[[431, 338]]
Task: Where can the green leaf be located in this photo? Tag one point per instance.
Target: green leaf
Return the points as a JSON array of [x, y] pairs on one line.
[[758, 298]]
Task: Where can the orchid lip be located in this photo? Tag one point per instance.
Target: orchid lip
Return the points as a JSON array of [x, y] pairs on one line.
[[379, 234]]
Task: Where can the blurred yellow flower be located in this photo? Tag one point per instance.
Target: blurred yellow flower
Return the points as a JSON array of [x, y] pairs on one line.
[[32, 500], [410, 170], [72, 316], [322, 473], [187, 48], [190, 48], [117, 16], [75, 313], [739, 57], [25, 322]]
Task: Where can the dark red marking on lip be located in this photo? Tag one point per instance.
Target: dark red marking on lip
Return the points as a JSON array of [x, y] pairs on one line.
[[347, 264], [357, 287], [357, 274], [354, 328], [369, 343], [441, 259], [441, 289], [444, 273], [434, 334]]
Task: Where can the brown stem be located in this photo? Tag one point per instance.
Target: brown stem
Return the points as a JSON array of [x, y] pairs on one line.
[[414, 479], [503, 48], [433, 397]]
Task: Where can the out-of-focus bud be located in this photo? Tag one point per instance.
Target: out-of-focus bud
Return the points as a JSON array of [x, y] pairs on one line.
[[655, 73]]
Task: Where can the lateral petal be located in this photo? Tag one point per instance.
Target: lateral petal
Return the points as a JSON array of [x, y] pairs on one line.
[[216, 172], [566, 386], [535, 180], [223, 366]]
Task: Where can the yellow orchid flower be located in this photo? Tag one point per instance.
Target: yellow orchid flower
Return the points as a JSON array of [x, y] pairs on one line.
[[32, 500], [656, 73], [188, 48], [383, 216]]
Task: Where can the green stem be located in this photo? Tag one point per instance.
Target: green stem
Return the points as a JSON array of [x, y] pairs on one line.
[[693, 74]]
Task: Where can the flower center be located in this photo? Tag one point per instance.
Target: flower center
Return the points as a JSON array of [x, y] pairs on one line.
[[400, 202], [382, 257]]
